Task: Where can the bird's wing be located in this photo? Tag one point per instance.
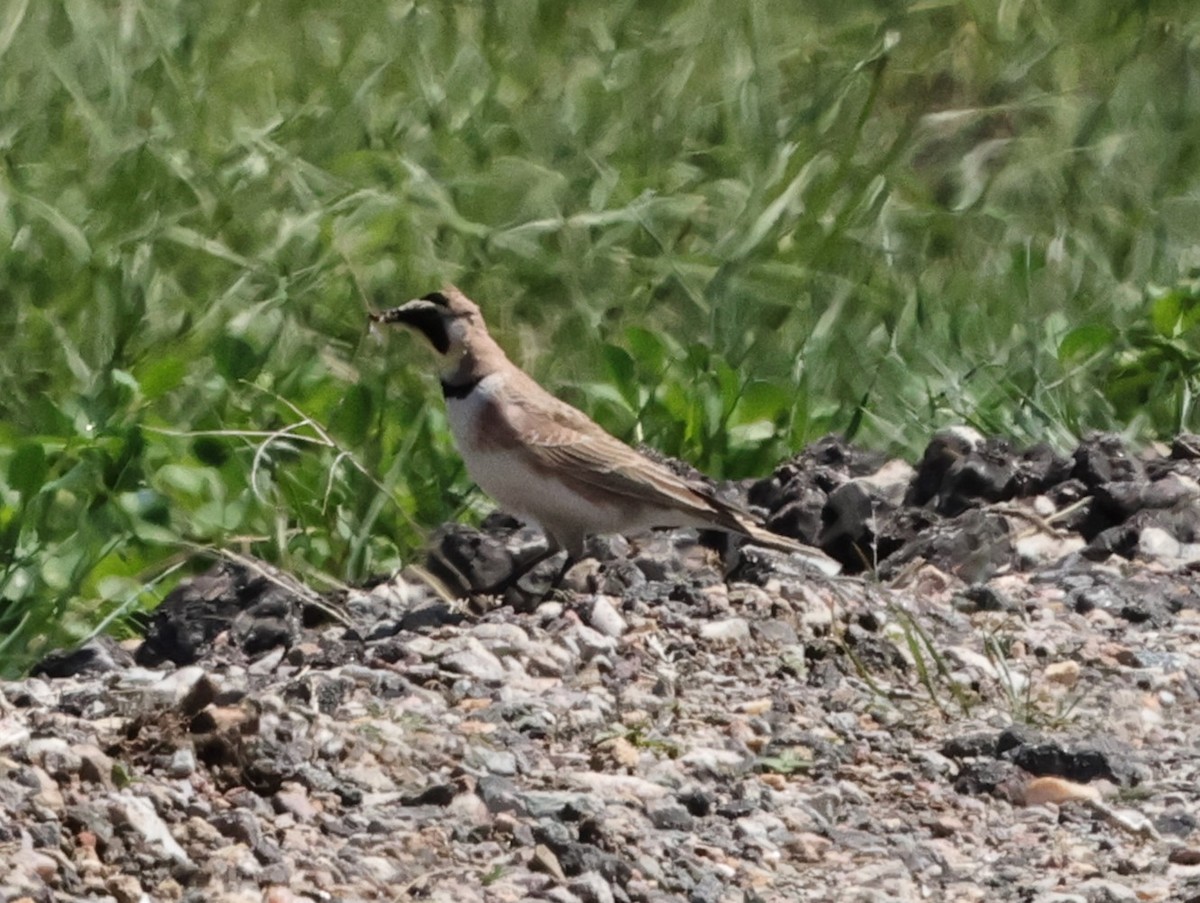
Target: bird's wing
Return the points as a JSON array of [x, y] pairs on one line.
[[566, 442], [569, 443], [609, 464]]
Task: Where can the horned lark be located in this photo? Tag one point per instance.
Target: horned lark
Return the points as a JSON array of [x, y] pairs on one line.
[[550, 463]]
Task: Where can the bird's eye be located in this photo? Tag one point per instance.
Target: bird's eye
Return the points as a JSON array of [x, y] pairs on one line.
[[437, 298]]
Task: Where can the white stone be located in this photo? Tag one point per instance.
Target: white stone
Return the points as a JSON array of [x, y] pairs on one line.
[[729, 630], [606, 618]]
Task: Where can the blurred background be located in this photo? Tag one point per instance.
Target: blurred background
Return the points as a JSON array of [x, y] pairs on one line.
[[722, 228]]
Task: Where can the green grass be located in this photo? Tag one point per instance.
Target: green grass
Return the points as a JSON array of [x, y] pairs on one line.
[[724, 228]]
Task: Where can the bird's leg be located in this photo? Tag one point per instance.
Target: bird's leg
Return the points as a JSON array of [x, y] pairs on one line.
[[568, 562], [572, 542]]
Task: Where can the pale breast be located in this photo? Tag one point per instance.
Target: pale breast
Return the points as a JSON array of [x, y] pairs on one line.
[[503, 466], [487, 447]]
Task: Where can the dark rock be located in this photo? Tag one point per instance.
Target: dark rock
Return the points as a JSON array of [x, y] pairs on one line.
[[848, 510], [77, 702], [833, 454], [470, 560], [850, 518], [196, 611], [697, 802], [348, 795], [801, 516], [276, 872], [1121, 540], [658, 556], [434, 795], [1181, 521], [1176, 822], [1077, 509], [261, 635], [91, 817], [1039, 470], [709, 889], [740, 808], [240, 825], [974, 545], [1118, 500], [553, 833], [1052, 759], [591, 888], [793, 496], [97, 656], [326, 694], [1186, 446], [610, 548], [330, 694], [535, 584], [1137, 601], [976, 745], [775, 631], [265, 774], [669, 815], [432, 614], [578, 858], [876, 653], [985, 474], [1104, 458], [1126, 498], [1096, 757], [984, 776], [894, 531], [944, 451], [198, 697], [982, 597], [620, 577], [46, 834], [1015, 735]]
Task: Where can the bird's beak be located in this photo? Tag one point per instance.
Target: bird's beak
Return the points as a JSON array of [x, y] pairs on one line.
[[411, 314], [422, 316]]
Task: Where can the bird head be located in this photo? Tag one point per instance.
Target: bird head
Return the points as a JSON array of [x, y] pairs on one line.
[[448, 319]]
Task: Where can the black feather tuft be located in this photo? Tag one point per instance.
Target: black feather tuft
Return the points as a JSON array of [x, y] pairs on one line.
[[426, 318], [433, 325]]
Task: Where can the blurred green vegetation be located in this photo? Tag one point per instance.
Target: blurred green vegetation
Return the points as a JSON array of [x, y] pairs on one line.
[[724, 228]]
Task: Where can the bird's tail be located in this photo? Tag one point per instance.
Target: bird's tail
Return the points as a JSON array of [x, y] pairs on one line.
[[811, 555], [735, 520]]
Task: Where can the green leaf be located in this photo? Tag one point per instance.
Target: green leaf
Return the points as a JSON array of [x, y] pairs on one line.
[[623, 371], [762, 400], [729, 384], [190, 238], [71, 235], [352, 417], [193, 481], [1166, 311], [856, 419], [235, 357], [211, 450], [161, 375], [27, 469], [10, 22], [1085, 341], [751, 434], [648, 348]]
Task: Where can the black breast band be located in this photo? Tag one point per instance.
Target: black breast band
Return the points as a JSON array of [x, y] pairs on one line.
[[459, 390]]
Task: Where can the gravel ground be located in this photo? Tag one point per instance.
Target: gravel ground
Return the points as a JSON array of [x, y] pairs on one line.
[[996, 702]]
